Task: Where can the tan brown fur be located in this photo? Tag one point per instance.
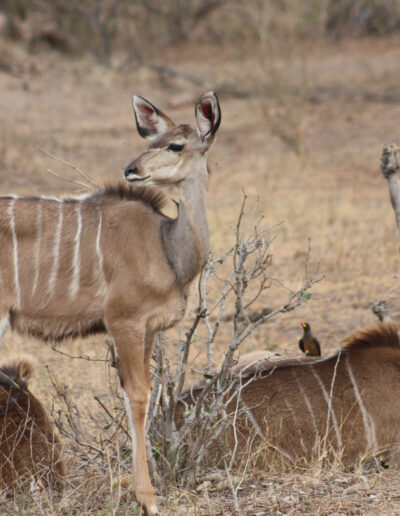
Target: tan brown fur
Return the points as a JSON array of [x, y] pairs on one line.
[[30, 448], [111, 261], [282, 429]]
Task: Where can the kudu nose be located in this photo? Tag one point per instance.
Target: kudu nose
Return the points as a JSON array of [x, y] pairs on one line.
[[130, 170]]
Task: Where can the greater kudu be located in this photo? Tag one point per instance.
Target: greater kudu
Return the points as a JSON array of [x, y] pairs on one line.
[[30, 449], [112, 261], [344, 406]]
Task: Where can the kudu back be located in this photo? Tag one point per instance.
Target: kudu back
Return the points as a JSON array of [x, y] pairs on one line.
[[111, 261], [345, 407], [30, 448]]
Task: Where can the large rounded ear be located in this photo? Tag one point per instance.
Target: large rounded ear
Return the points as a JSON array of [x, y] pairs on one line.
[[150, 121], [208, 116]]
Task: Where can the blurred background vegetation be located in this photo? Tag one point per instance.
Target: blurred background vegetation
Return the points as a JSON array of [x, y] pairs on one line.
[[136, 30]]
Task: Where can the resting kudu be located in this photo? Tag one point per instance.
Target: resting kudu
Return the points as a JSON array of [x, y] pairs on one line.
[[30, 448], [111, 261], [345, 406]]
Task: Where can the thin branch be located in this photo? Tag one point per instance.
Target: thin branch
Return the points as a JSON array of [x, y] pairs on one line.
[[82, 357], [69, 180], [78, 170]]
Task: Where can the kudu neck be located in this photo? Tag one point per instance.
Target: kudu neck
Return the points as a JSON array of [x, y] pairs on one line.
[[185, 238]]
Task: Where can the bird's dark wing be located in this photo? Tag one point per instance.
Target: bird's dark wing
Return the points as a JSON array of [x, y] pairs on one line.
[[301, 345], [316, 342]]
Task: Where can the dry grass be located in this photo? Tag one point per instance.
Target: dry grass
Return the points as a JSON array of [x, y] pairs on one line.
[[335, 196]]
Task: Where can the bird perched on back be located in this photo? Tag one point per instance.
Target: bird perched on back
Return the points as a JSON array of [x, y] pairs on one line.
[[308, 343]]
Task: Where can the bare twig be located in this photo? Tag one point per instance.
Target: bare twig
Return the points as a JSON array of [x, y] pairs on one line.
[[81, 357], [78, 170]]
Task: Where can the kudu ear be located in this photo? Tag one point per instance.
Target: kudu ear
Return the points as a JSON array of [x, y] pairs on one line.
[[208, 116], [150, 121]]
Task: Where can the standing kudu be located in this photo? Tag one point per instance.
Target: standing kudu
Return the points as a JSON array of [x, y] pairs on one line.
[[112, 261]]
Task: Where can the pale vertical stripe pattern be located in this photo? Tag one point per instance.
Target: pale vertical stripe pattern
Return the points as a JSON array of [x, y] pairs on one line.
[[56, 249], [15, 250], [369, 425], [37, 245], [293, 414], [76, 260], [252, 419], [4, 326], [133, 431], [328, 402], [307, 402], [103, 285]]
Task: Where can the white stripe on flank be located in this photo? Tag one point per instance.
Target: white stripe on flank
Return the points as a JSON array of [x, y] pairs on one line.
[[76, 262], [4, 326], [37, 245], [330, 408], [293, 414], [15, 250], [56, 249], [369, 425], [251, 417], [133, 431], [307, 402], [103, 284]]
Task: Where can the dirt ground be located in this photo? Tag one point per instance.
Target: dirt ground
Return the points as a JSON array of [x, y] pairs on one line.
[[333, 195]]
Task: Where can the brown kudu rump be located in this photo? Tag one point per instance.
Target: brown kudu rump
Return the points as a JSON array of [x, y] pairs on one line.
[[346, 406], [111, 261], [30, 449]]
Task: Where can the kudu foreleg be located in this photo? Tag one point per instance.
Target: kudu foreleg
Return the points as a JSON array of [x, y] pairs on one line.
[[132, 363]]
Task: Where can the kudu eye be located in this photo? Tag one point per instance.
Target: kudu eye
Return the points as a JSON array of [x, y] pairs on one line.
[[175, 147]]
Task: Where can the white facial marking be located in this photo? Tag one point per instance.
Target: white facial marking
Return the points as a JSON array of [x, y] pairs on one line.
[[37, 245], [56, 249], [132, 427], [369, 425], [293, 414], [131, 177], [15, 250], [100, 261], [331, 412], [174, 171], [76, 262], [4, 326], [307, 402]]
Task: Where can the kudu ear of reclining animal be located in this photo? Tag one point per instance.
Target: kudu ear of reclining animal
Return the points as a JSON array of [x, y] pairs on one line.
[[111, 261]]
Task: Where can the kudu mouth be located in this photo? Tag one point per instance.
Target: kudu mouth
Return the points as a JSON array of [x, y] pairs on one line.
[[132, 176]]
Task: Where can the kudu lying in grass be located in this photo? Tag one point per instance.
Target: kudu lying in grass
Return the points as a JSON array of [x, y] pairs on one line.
[[346, 406], [30, 449]]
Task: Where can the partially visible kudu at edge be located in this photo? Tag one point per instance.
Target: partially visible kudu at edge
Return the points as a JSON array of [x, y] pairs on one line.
[[30, 449]]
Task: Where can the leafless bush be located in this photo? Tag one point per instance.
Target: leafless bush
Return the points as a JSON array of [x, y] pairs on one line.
[[181, 438], [243, 277]]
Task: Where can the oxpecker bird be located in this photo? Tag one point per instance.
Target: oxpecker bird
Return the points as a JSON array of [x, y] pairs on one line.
[[309, 344]]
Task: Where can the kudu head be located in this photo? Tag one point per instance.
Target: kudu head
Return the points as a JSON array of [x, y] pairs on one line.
[[175, 152]]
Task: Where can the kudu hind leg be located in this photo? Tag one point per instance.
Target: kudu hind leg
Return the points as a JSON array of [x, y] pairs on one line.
[[136, 391]]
